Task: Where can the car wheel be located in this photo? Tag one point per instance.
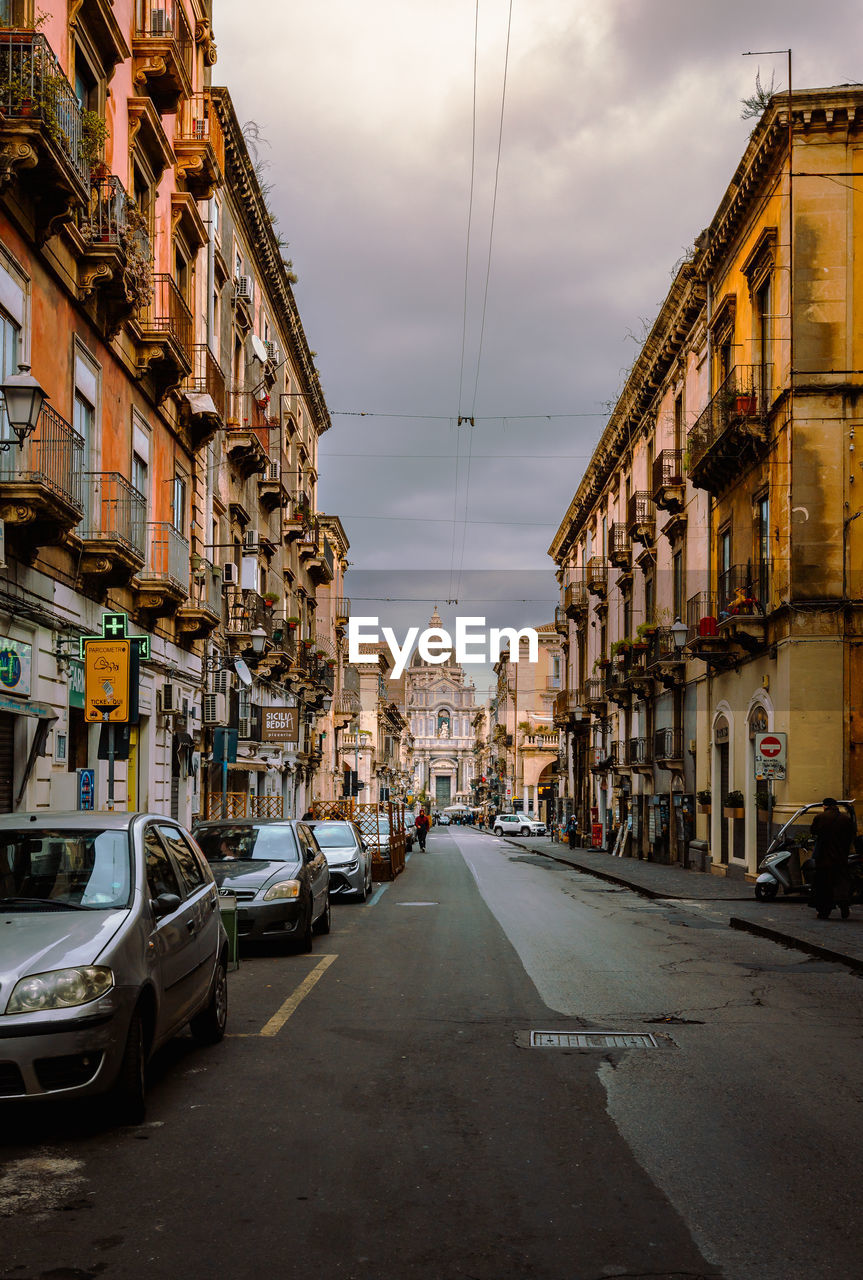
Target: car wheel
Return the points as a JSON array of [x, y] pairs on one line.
[[325, 920], [498, 831], [525, 831], [208, 1026], [127, 1097]]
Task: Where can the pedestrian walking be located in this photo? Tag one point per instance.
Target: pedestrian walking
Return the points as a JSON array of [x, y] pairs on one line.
[[572, 831], [833, 832], [421, 823]]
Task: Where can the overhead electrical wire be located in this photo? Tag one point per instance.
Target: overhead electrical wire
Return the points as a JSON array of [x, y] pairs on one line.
[[485, 292]]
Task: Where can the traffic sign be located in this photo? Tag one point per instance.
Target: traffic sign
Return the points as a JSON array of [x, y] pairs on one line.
[[106, 681], [771, 755]]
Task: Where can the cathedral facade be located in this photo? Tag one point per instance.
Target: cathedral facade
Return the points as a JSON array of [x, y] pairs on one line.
[[440, 703]]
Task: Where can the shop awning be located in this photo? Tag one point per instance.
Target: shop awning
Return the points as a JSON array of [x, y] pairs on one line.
[[45, 717], [247, 766]]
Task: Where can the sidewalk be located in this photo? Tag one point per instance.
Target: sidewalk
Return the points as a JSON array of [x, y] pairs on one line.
[[788, 921]]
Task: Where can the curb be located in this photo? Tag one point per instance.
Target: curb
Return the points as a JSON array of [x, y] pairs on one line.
[[735, 922], [796, 944]]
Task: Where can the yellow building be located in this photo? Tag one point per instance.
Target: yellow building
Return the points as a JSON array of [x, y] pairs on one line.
[[738, 422]]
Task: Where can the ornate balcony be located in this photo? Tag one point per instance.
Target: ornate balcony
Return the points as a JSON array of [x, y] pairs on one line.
[[617, 680], [575, 600], [668, 482], [665, 662], [205, 396], [248, 432], [317, 555], [201, 615], [732, 432], [343, 611], [703, 638], [163, 584], [272, 484], [163, 50], [668, 748], [743, 600], [110, 240], [298, 519], [165, 332], [41, 129], [639, 754], [619, 547], [641, 518], [199, 145], [594, 695], [246, 612], [41, 484], [597, 576], [113, 530], [561, 623]]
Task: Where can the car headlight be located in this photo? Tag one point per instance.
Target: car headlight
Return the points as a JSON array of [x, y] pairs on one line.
[[350, 866], [284, 889], [60, 989]]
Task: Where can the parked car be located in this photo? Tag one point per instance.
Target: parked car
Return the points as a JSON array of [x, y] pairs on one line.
[[112, 942], [278, 872], [519, 824], [444, 819], [347, 855]]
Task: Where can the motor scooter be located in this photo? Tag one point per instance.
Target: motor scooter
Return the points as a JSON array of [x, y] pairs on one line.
[[783, 869]]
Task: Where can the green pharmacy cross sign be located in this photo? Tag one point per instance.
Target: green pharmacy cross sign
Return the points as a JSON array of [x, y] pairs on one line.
[[115, 627]]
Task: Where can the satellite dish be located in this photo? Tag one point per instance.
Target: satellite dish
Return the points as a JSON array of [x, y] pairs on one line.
[[258, 349], [243, 672]]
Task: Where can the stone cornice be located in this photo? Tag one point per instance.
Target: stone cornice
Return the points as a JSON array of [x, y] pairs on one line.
[[251, 207]]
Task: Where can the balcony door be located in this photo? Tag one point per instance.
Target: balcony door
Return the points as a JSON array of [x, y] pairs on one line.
[[9, 334]]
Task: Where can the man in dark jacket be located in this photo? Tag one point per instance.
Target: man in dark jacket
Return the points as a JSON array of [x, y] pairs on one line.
[[421, 823], [833, 831]]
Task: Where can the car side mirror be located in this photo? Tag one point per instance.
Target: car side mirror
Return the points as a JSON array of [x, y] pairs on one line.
[[165, 904]]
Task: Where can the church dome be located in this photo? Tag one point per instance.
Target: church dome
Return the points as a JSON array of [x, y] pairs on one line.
[[435, 623]]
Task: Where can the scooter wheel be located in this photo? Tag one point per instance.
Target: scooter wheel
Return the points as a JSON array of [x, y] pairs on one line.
[[766, 892]]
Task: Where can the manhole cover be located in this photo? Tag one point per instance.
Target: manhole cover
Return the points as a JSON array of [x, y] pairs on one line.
[[592, 1040]]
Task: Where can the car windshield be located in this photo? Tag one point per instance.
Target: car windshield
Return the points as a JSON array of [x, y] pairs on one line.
[[88, 869], [334, 835], [228, 843]]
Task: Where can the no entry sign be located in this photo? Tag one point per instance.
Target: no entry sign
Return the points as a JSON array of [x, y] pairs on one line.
[[771, 755]]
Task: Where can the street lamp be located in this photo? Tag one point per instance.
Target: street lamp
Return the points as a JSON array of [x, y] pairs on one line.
[[24, 399], [578, 712], [259, 639], [679, 632]]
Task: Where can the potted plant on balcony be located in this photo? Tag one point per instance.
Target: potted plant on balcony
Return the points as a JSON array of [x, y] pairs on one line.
[[292, 623], [620, 651], [602, 664], [704, 798], [91, 148], [270, 598], [645, 632], [734, 805]]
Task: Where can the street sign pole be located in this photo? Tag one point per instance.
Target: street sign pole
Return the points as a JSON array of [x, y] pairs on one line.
[[225, 782]]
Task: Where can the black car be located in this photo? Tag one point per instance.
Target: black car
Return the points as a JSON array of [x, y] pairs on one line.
[[278, 873]]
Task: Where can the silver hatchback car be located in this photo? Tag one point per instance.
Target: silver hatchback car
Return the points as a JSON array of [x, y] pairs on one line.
[[111, 941]]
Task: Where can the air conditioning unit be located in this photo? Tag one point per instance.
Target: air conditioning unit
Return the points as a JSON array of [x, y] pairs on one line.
[[273, 471], [169, 699], [215, 708], [245, 727], [243, 288], [274, 355], [230, 574], [223, 681], [250, 540]]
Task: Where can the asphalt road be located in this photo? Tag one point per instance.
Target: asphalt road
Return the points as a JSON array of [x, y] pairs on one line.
[[377, 1112]]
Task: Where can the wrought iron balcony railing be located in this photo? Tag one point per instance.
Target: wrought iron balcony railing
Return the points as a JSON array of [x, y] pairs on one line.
[[207, 377], [575, 599], [52, 457], [169, 314], [165, 20], [33, 87], [597, 575], [619, 546], [115, 511], [639, 751], [641, 517], [668, 744], [167, 557], [744, 590], [731, 427]]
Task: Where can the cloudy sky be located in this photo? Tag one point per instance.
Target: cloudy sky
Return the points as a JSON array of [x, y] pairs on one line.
[[621, 131]]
